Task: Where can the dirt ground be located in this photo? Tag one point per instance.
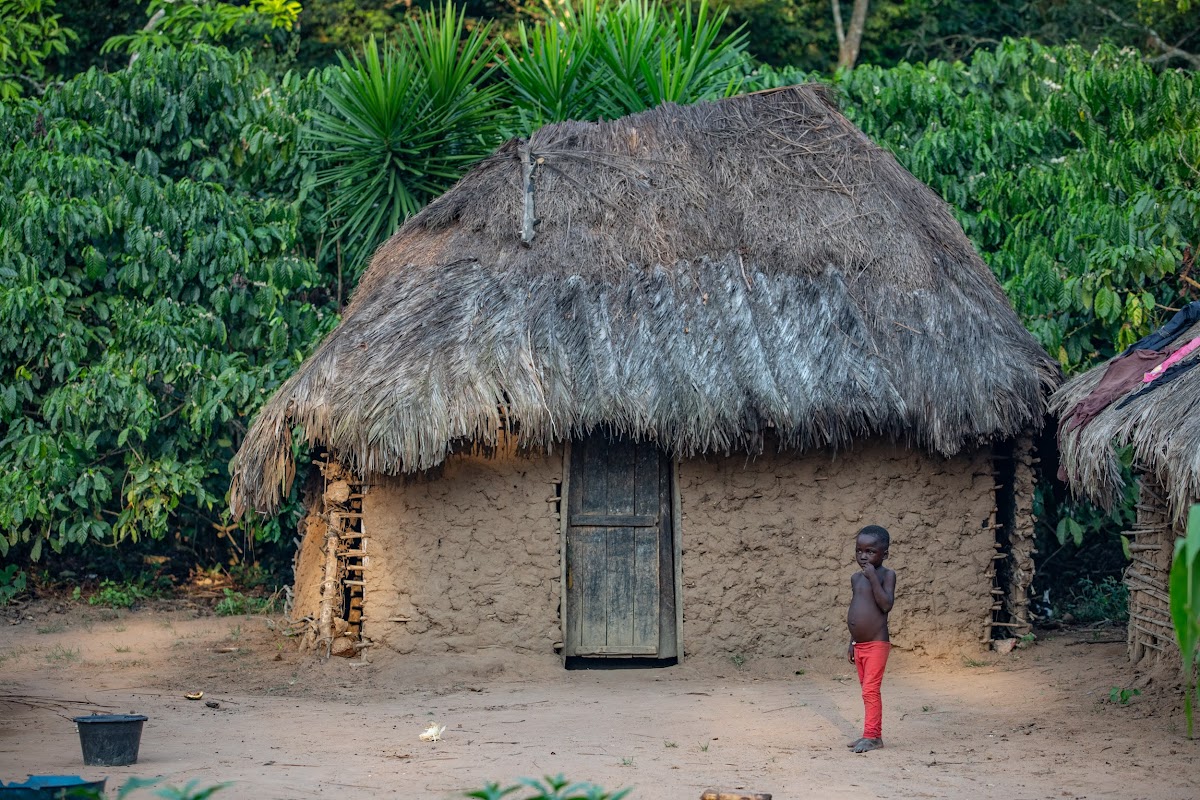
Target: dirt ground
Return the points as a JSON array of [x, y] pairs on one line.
[[1037, 723]]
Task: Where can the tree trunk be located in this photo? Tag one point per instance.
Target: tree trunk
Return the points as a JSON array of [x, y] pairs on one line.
[[849, 41]]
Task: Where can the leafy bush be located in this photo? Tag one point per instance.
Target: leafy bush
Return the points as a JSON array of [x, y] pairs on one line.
[[179, 24], [29, 35], [155, 284], [1098, 601], [12, 583]]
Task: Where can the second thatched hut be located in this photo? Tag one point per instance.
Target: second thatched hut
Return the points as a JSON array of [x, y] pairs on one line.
[[629, 388], [1143, 399]]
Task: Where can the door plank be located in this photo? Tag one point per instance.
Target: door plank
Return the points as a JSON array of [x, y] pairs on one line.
[[622, 474], [646, 462], [621, 575], [594, 495], [590, 578], [646, 588]]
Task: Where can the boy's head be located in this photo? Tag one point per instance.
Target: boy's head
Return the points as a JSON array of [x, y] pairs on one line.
[[871, 544]]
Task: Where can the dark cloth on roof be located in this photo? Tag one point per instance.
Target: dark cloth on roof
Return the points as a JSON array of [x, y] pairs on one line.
[[1123, 374], [1169, 332], [1172, 372]]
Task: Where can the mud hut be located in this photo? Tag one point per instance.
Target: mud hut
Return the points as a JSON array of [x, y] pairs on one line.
[[1113, 406], [629, 388]]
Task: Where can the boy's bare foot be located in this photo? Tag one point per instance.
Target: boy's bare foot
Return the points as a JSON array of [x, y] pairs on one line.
[[854, 743], [863, 745]]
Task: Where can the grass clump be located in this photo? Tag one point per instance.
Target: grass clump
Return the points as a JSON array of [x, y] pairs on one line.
[[234, 603]]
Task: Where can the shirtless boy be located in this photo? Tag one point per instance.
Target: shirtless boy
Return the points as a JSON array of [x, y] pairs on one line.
[[874, 587]]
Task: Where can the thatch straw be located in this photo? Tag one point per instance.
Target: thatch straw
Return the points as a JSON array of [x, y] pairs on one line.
[[698, 274], [1162, 426]]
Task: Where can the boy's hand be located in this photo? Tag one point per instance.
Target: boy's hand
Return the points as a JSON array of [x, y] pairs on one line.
[[850, 652], [868, 569]]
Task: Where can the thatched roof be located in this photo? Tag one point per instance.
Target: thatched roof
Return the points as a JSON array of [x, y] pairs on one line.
[[1162, 425], [698, 274]]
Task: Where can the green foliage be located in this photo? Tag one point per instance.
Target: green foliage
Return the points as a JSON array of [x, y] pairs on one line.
[[114, 594], [235, 603], [1099, 601], [155, 287], [29, 35], [12, 583], [407, 119], [1120, 696], [1184, 584], [552, 788], [1072, 171], [177, 23], [597, 60], [332, 26]]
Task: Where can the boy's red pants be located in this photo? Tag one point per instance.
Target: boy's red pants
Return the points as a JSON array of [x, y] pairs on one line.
[[871, 658]]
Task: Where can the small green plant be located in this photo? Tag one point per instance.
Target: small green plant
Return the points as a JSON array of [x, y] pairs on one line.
[[113, 594], [670, 744], [1184, 584], [54, 627], [120, 649], [927, 708], [704, 747], [235, 603], [972, 662], [626, 761], [552, 788], [799, 672], [738, 660], [1121, 696], [12, 583]]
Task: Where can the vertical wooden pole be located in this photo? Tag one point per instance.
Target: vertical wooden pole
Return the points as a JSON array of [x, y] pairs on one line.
[[563, 522], [677, 536], [330, 584]]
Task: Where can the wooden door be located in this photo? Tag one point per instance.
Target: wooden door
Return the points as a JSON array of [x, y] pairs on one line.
[[620, 551]]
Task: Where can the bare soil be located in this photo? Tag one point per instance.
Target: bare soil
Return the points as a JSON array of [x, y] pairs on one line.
[[1036, 723]]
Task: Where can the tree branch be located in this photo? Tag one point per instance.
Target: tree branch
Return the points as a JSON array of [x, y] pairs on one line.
[[40, 88], [1168, 51], [150, 25]]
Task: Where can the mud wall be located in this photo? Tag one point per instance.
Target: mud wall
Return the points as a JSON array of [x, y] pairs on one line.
[[468, 557], [465, 557], [768, 548]]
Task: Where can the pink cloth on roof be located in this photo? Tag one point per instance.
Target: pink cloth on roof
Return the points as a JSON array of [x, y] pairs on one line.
[[1172, 360]]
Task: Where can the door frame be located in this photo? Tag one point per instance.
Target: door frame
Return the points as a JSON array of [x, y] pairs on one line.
[[676, 547]]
